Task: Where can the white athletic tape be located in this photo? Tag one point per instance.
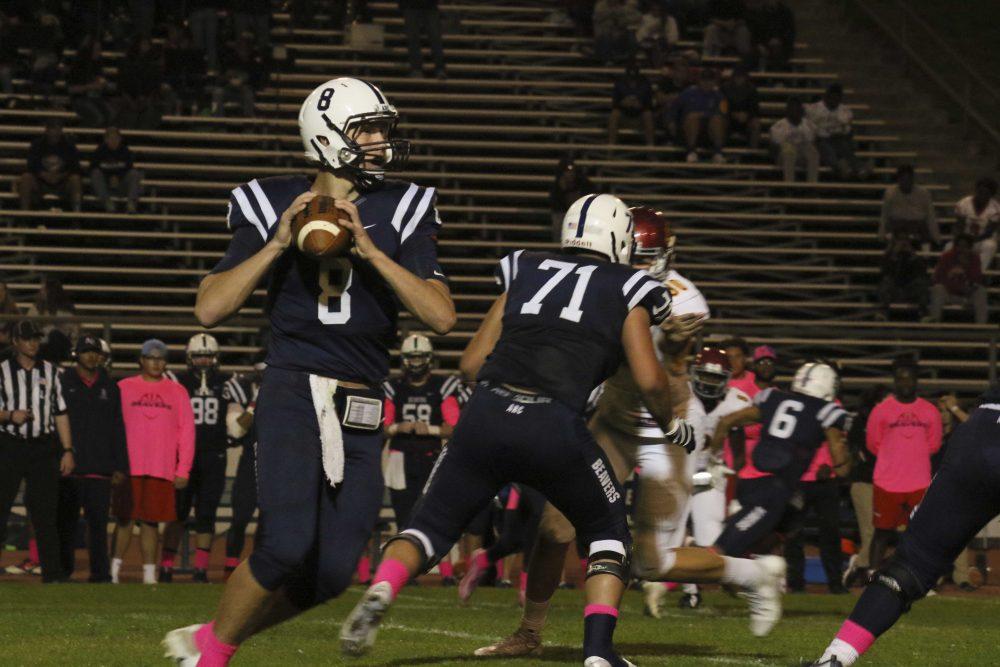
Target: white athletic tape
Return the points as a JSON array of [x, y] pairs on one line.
[[324, 225]]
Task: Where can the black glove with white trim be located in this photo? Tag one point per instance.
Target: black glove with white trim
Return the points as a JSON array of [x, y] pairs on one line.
[[681, 434]]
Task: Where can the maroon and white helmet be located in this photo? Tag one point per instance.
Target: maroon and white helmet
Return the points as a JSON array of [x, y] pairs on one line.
[[654, 241], [710, 373]]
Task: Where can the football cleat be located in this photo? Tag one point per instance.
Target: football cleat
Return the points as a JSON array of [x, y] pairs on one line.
[[200, 576], [653, 593], [472, 576], [358, 632], [166, 575], [180, 646], [448, 582], [765, 598], [597, 661], [522, 642], [690, 601], [832, 662]]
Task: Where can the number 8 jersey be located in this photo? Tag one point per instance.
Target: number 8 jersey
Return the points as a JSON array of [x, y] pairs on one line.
[[562, 323], [335, 317]]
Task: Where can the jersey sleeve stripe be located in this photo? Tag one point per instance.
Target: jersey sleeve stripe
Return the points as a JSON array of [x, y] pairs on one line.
[[389, 391], [513, 263], [248, 211], [449, 386], [505, 270], [265, 206], [833, 417], [633, 281], [825, 410], [646, 288], [418, 215], [762, 396], [404, 204]]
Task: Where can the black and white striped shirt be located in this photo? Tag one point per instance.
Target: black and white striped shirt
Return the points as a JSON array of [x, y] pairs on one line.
[[38, 390]]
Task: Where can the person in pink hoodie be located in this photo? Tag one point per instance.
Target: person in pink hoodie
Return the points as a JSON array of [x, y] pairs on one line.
[[159, 429], [903, 431]]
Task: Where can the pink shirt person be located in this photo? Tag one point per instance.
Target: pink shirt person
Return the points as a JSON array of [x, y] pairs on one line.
[[903, 436], [159, 427]]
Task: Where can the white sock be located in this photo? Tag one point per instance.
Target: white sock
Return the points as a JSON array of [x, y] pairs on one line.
[[841, 650], [149, 573], [116, 567], [741, 572], [690, 589]]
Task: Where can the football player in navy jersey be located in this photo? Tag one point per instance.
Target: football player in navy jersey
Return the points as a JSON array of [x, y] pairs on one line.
[[564, 323], [963, 497], [795, 424], [210, 398], [421, 411], [319, 420]]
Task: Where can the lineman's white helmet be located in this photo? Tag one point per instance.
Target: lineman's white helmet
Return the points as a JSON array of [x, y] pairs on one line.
[[330, 115], [416, 344], [202, 345], [601, 224], [418, 354], [816, 379]]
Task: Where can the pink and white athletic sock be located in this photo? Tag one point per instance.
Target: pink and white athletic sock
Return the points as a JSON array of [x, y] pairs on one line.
[[201, 558], [446, 569], [364, 570], [499, 566], [167, 558], [481, 560], [523, 583], [33, 551], [232, 563], [850, 644], [214, 652], [394, 572]]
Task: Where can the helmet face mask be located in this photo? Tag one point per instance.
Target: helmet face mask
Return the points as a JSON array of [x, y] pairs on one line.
[[710, 373], [417, 365], [202, 352], [418, 356], [654, 242]]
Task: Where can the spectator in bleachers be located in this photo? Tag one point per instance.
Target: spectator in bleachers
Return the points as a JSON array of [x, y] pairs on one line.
[[834, 133], [772, 32], [253, 16], [615, 23], [422, 17], [185, 72], [632, 97], [87, 86], [700, 111], [958, 278], [53, 168], [46, 44], [159, 430], [12, 37], [570, 184], [59, 336], [904, 277], [727, 32], [743, 102], [861, 484], [112, 168], [245, 69], [978, 215], [674, 79], [140, 78], [8, 306], [793, 143], [908, 210], [203, 20], [657, 33]]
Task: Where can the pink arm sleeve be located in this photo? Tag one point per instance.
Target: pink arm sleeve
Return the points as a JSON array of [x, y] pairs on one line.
[[873, 432], [185, 438], [388, 413], [513, 500], [450, 410]]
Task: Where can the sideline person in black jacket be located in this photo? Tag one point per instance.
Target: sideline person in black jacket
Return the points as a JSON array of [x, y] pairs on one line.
[[95, 416]]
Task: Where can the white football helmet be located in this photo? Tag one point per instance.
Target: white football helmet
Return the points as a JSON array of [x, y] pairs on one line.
[[202, 345], [601, 224], [106, 351], [417, 353], [816, 379], [331, 114]]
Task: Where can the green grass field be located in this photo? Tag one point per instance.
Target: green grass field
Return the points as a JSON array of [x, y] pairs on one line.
[[122, 625]]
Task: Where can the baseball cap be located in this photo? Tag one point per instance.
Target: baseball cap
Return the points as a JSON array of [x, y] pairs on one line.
[[154, 347], [88, 343], [24, 330], [764, 352]]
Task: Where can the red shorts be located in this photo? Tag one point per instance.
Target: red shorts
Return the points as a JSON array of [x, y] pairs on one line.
[[891, 509], [147, 499]]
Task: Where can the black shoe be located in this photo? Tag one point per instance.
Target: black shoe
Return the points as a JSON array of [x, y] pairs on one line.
[[832, 662], [567, 586], [166, 575], [690, 601], [967, 586], [448, 582], [838, 589], [503, 583], [99, 580], [200, 577]]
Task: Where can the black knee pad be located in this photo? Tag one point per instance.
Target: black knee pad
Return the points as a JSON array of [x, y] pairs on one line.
[[609, 562], [427, 560], [899, 577]]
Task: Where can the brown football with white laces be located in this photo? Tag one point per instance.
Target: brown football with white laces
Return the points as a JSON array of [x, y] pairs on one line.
[[317, 230]]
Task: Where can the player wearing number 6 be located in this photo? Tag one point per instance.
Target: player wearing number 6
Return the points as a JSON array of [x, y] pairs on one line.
[[564, 323], [319, 414], [794, 425]]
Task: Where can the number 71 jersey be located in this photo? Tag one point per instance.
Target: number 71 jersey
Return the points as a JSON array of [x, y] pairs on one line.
[[562, 324], [335, 317]]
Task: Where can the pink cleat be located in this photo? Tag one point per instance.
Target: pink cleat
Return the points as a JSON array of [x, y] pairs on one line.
[[478, 565]]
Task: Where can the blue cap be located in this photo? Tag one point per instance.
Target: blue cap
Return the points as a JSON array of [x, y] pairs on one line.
[[154, 347]]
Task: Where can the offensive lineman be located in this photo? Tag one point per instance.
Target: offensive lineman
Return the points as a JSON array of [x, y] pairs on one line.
[[963, 497], [319, 418], [564, 323], [211, 397]]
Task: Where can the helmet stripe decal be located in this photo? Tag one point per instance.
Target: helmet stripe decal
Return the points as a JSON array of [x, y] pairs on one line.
[[378, 95], [583, 215]]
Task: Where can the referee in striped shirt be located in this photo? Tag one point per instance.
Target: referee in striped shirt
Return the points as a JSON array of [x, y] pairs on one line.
[[35, 443]]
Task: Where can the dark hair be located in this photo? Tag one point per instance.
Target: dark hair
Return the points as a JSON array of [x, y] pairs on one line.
[[793, 101], [904, 170], [835, 89], [965, 238], [906, 361], [736, 341], [989, 184], [55, 297]]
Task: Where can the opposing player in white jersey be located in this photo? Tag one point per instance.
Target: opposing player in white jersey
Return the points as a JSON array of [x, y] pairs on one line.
[[628, 434]]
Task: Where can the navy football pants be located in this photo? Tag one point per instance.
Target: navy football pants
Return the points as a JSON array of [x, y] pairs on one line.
[[764, 504], [204, 489], [501, 438], [313, 534], [244, 501]]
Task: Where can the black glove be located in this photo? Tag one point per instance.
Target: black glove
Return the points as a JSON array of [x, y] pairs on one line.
[[681, 434]]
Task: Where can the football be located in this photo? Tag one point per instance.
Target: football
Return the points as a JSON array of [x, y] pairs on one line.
[[317, 230]]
